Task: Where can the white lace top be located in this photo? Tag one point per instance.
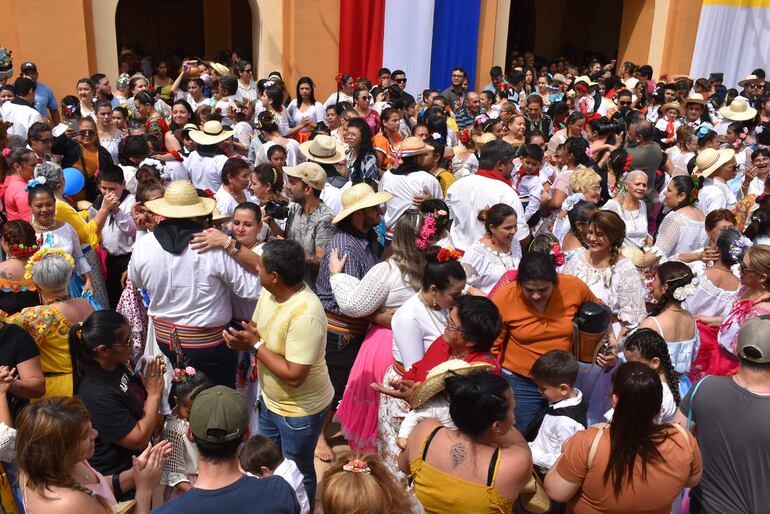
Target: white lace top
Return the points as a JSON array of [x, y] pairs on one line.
[[619, 286], [682, 353], [489, 265], [678, 234], [636, 222], [382, 287], [708, 300]]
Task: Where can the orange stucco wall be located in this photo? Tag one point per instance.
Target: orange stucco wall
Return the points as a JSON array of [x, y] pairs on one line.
[[635, 31], [53, 35], [682, 29]]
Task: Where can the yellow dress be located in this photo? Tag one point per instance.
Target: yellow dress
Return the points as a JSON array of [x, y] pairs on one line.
[[50, 330]]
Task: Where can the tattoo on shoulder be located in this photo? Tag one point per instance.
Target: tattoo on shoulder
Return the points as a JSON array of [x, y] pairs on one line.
[[458, 454]]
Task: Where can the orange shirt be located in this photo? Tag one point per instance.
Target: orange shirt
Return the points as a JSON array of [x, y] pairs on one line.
[[665, 479], [528, 333], [382, 145]]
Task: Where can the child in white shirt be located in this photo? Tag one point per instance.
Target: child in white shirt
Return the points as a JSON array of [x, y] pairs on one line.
[[526, 178], [260, 457]]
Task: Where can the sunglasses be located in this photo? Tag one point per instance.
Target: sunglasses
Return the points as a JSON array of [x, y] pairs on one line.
[[248, 71], [624, 103], [87, 133], [46, 141], [365, 98], [401, 81]]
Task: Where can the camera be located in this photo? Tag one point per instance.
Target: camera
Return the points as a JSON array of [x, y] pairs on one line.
[[277, 209]]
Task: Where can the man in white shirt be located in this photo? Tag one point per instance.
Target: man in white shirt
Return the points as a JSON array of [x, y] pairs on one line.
[[119, 230], [190, 292], [489, 186], [21, 110], [717, 167], [205, 164]]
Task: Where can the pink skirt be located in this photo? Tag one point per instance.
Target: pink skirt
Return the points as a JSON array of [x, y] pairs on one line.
[[357, 411]]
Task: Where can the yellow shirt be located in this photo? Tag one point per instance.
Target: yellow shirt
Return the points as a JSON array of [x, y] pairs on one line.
[[295, 330], [87, 231]]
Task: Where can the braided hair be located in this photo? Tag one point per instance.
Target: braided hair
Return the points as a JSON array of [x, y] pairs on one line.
[[580, 213], [649, 344], [673, 274]]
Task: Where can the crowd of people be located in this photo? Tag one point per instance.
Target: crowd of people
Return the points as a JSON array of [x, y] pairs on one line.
[[548, 295]]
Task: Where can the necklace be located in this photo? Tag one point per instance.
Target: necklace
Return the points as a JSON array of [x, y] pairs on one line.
[[42, 228], [440, 325]]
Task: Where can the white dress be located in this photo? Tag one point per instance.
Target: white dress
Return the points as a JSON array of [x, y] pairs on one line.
[[489, 265], [708, 300], [618, 286], [111, 144], [636, 222], [227, 204], [684, 352], [66, 239], [678, 234]]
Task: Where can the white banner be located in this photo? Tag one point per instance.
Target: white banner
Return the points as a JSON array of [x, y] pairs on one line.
[[732, 39], [408, 41]]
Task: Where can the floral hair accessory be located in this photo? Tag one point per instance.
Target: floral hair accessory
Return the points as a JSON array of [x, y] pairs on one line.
[[6, 152], [427, 232], [571, 201], [481, 119], [684, 292], [627, 164], [558, 256], [338, 80], [484, 213], [698, 184], [465, 136], [759, 129], [180, 376], [436, 136], [741, 137], [269, 83], [760, 198], [33, 183], [6, 61], [22, 251], [658, 173], [357, 466], [739, 247], [449, 254], [41, 254], [70, 110]]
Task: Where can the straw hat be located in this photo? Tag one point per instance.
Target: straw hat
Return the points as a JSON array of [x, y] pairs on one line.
[[710, 160], [221, 69], [585, 79], [738, 110], [672, 105], [558, 77], [311, 173], [412, 146], [695, 98], [360, 196], [484, 138], [181, 200], [322, 148], [434, 382], [750, 79], [213, 132]]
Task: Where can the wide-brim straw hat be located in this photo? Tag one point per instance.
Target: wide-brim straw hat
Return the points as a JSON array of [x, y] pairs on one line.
[[695, 98], [750, 79], [558, 77], [586, 80], [484, 138], [181, 200], [324, 149], [360, 196], [710, 160], [221, 69], [412, 146], [738, 110], [434, 382], [213, 132], [672, 105]]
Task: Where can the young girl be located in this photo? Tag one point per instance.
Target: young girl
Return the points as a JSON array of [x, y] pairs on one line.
[[647, 346], [242, 130], [181, 469]]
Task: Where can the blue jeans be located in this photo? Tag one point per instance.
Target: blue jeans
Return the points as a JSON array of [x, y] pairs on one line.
[[296, 437], [529, 401]]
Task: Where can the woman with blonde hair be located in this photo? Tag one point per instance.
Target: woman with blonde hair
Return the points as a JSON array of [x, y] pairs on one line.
[[585, 184], [629, 205], [360, 484], [55, 439]]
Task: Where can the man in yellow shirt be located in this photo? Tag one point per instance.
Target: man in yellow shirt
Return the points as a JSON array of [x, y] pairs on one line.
[[288, 337]]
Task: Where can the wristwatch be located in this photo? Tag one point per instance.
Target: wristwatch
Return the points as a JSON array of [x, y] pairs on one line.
[[237, 246], [255, 349]]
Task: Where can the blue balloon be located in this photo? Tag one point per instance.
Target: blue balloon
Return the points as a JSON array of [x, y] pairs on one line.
[[73, 181]]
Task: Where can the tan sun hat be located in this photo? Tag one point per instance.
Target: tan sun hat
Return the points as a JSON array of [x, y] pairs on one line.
[[412, 146], [311, 173], [584, 79], [484, 138], [672, 105], [695, 98], [360, 196], [750, 79], [213, 132], [324, 149], [738, 110], [434, 382], [710, 160], [181, 200], [221, 69], [558, 77]]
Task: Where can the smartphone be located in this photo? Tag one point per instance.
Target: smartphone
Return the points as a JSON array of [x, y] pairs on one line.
[[73, 123]]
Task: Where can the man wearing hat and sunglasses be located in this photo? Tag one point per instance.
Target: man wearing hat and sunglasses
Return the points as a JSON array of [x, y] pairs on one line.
[[732, 415], [190, 292], [219, 423]]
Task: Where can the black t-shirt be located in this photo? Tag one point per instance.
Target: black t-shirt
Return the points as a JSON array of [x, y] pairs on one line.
[[16, 346], [116, 402], [247, 495]]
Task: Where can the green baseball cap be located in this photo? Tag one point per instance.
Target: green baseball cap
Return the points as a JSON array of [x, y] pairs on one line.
[[219, 415]]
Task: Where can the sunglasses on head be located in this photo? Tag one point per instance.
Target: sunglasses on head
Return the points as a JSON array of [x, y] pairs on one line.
[[87, 133]]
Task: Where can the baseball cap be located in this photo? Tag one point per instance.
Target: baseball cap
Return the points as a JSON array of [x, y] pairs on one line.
[[28, 66], [310, 173], [219, 415], [753, 343]]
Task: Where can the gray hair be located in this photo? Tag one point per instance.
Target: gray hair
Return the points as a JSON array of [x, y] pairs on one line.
[[54, 176], [51, 272]]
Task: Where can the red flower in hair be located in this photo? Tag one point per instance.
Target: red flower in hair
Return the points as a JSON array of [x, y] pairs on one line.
[[465, 136], [449, 254], [627, 165], [338, 79]]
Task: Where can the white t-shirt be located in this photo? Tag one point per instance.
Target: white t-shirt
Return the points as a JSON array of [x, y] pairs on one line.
[[415, 329], [404, 188], [205, 172]]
